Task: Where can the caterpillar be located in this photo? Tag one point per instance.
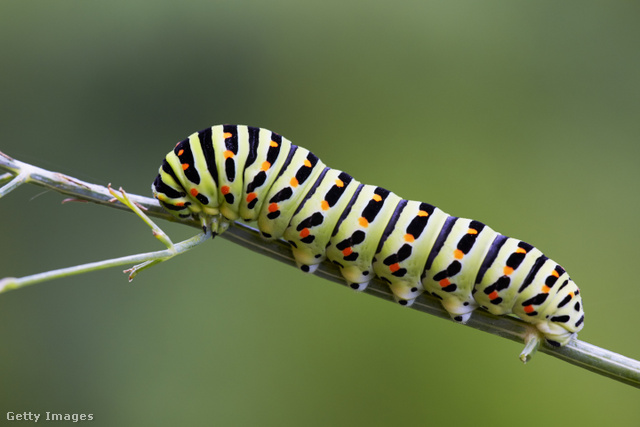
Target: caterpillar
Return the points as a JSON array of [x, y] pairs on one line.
[[233, 172]]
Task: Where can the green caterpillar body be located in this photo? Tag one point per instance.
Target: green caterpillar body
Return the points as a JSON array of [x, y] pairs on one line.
[[231, 172]]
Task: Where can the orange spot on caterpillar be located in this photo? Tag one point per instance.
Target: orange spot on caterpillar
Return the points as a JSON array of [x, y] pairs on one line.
[[347, 251], [423, 213], [193, 192], [394, 267], [572, 294], [458, 254], [444, 282], [339, 183], [185, 166], [227, 135], [472, 231], [507, 270], [225, 189], [307, 163], [304, 232], [251, 196], [324, 205], [273, 207], [545, 289], [228, 154], [363, 222], [521, 251], [555, 274], [294, 182], [266, 166], [529, 309], [409, 237], [179, 204], [493, 295], [377, 197], [273, 144], [181, 152]]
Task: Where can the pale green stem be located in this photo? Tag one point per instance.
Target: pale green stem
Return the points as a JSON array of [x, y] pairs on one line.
[[10, 283]]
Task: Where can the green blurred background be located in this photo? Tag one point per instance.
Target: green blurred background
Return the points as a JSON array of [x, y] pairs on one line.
[[524, 115]]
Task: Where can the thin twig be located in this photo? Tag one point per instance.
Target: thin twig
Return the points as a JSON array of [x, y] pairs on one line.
[[579, 353]]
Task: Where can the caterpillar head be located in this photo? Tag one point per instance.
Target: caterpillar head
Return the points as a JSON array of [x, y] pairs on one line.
[[175, 192], [184, 186], [173, 198]]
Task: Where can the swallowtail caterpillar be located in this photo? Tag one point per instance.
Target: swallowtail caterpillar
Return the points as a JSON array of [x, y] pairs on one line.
[[232, 172]]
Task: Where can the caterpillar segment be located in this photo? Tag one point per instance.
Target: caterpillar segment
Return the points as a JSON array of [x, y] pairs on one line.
[[263, 162], [228, 172], [355, 238], [230, 151], [297, 176], [503, 281], [452, 267], [402, 255], [309, 230]]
